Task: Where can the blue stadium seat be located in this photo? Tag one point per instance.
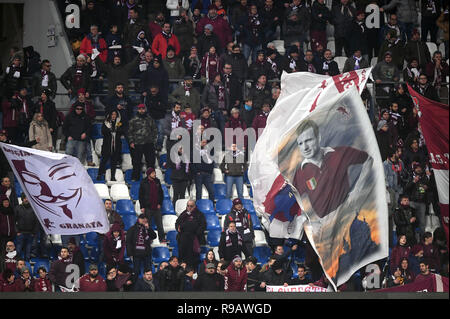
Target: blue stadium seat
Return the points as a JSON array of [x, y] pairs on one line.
[[127, 176], [212, 222], [206, 206], [220, 191], [248, 205], [246, 180], [126, 257], [18, 189], [167, 176], [125, 207], [294, 268], [203, 251], [85, 253], [256, 222], [96, 131], [95, 254], [129, 220], [394, 238], [174, 251], [102, 269], [213, 237], [125, 146], [299, 254], [93, 172], [223, 206], [167, 207], [162, 160], [134, 190], [171, 237], [262, 253], [41, 263], [165, 191], [160, 254], [92, 239]]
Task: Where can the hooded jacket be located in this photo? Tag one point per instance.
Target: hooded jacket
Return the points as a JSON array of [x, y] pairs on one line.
[[112, 254], [77, 124], [235, 279], [40, 129]]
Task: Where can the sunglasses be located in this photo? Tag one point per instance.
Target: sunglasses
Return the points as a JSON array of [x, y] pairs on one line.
[[79, 109]]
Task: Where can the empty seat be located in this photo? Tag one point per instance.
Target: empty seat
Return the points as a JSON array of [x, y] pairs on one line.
[[218, 176], [432, 47], [167, 174], [134, 190], [340, 60], [256, 222], [220, 191], [331, 45], [126, 162], [171, 238], [92, 239], [137, 207], [156, 242], [125, 146], [262, 253], [213, 237], [260, 238], [167, 207], [160, 254], [180, 206], [128, 174], [93, 172], [98, 146], [223, 206], [102, 191], [118, 176], [125, 207], [119, 191], [206, 206], [165, 191], [97, 131], [159, 175], [248, 205], [129, 220], [212, 222], [169, 222]]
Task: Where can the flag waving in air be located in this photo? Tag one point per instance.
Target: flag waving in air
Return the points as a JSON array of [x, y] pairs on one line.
[[59, 190], [319, 148], [433, 119]]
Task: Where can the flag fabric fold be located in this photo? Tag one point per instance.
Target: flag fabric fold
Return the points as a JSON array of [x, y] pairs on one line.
[[59, 190]]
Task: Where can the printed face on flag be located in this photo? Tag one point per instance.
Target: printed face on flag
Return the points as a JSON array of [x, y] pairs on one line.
[[329, 164], [59, 190]]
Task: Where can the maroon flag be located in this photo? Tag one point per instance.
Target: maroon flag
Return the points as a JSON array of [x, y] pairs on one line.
[[433, 283], [433, 119]]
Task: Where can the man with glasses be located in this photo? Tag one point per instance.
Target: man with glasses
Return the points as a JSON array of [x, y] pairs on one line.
[[190, 225], [426, 89], [44, 79]]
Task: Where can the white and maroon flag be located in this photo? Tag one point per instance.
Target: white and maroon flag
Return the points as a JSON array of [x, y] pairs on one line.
[[317, 168], [59, 190], [434, 121]]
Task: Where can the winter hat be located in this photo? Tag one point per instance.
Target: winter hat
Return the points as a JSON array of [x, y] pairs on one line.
[[209, 27], [237, 258], [81, 91], [115, 227], [3, 197], [388, 53], [237, 201], [149, 171], [72, 241], [93, 266], [158, 58], [141, 106], [170, 48], [277, 265], [210, 265], [381, 124]]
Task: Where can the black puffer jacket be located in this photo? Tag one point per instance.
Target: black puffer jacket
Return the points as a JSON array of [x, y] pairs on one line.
[[26, 221], [75, 125]]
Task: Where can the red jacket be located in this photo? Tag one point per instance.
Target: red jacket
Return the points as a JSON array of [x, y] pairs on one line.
[[259, 122], [160, 45], [235, 280], [10, 114], [399, 252], [154, 29], [86, 285], [221, 29], [10, 287], [86, 48]]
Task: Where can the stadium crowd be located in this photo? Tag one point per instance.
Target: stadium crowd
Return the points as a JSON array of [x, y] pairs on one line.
[[148, 67]]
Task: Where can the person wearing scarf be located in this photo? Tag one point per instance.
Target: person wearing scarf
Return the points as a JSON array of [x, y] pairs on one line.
[[261, 66], [426, 89], [307, 64], [210, 65], [190, 225], [412, 71], [234, 167], [7, 221], [58, 271], [180, 175], [231, 243], [42, 283], [235, 122], [94, 41], [329, 66], [244, 224], [114, 245], [138, 243], [165, 39], [150, 198], [112, 130]]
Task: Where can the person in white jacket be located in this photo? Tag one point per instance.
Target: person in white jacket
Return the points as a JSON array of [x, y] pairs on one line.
[[174, 7]]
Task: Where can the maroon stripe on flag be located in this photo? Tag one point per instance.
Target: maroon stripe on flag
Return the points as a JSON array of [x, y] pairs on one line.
[[269, 203]]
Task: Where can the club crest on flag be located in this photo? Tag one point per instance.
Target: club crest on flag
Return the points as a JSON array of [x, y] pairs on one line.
[[311, 183]]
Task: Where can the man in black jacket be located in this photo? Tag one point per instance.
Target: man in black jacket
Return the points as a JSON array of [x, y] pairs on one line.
[[253, 274], [426, 89], [244, 225], [210, 280], [76, 77], [151, 197], [76, 255], [27, 227], [276, 276], [138, 240], [231, 243], [77, 129], [157, 107], [320, 16], [172, 276], [405, 220], [44, 79], [120, 102]]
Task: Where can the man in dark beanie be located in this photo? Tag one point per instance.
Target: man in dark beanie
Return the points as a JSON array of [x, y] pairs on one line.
[[92, 282], [151, 197], [139, 239], [244, 224], [210, 280]]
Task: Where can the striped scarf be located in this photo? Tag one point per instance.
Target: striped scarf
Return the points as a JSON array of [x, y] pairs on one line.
[[228, 242]]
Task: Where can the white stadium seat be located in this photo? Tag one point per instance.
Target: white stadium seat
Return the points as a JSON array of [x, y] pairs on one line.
[[102, 191], [169, 222], [137, 208], [331, 45], [218, 176], [98, 146], [126, 162], [180, 206], [119, 191], [374, 61], [157, 243], [119, 177], [340, 60], [159, 175], [432, 47], [245, 192], [260, 238]]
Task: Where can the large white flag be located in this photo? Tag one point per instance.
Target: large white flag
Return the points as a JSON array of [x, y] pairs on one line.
[[59, 190], [317, 168]]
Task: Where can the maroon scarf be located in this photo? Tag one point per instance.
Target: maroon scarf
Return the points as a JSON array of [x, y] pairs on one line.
[[153, 194]]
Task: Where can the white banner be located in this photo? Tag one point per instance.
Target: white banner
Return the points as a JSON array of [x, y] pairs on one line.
[[295, 288], [59, 189]]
